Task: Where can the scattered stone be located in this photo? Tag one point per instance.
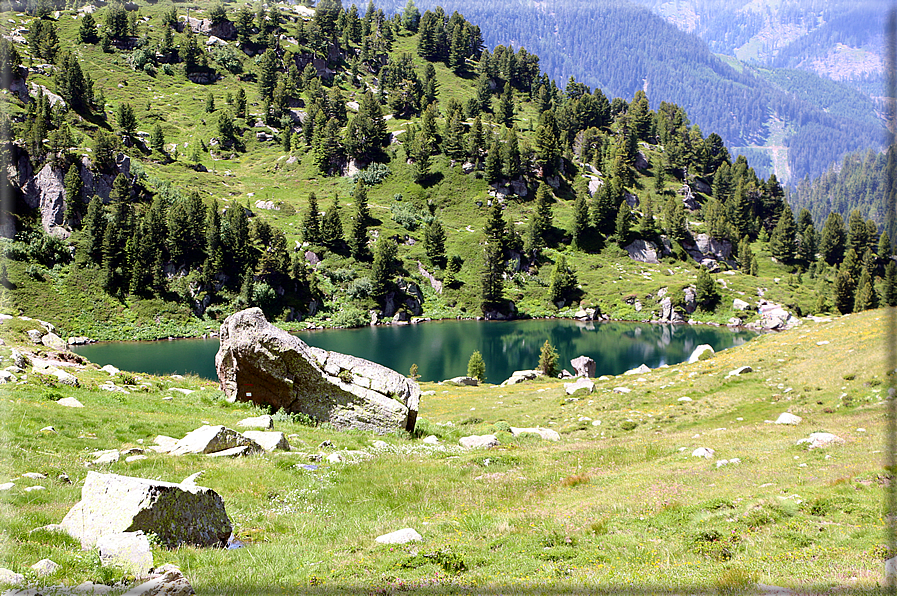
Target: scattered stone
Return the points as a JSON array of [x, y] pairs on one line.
[[400, 537], [822, 343], [546, 434], [111, 503], [583, 366], [269, 440], [63, 377], [110, 369], [519, 376], [54, 342], [166, 581], [235, 452], [622, 390], [106, 457], [382, 445], [129, 550], [739, 304], [28, 489], [45, 567], [35, 336], [7, 485], [335, 458], [699, 352], [788, 418], [638, 371], [463, 381], [583, 383], [79, 340], [70, 402], [704, 452], [768, 590], [431, 440], [10, 577], [326, 444], [181, 390], [740, 371], [163, 444], [263, 421], [725, 462], [33, 475], [132, 458], [478, 441], [685, 399], [260, 363], [7, 377], [211, 439], [20, 360], [89, 587], [819, 440]]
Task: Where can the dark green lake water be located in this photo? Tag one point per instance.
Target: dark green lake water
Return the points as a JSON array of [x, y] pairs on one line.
[[441, 349]]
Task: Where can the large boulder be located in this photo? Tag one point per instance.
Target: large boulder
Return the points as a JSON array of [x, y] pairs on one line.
[[583, 366], [642, 251], [212, 439], [260, 363], [176, 514]]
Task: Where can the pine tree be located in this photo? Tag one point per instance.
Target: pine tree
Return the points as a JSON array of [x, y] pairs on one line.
[[213, 247], [676, 220], [73, 201], [311, 224], [491, 279], [157, 139], [807, 242], [358, 236], [832, 243], [267, 74], [94, 230], [580, 217], [476, 367], [410, 17], [496, 229], [706, 291], [332, 227], [856, 232], [623, 224], [210, 103], [541, 222], [121, 189], [384, 253], [511, 167], [782, 242], [865, 295], [87, 32], [647, 227], [884, 246], [548, 360], [506, 106], [493, 164], [548, 144], [434, 243], [562, 281], [889, 293], [240, 104], [843, 291], [125, 118]]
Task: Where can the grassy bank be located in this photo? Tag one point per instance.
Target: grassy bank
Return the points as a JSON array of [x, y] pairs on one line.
[[618, 503]]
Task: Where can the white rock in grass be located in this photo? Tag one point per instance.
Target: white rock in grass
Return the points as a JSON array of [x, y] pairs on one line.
[[382, 445], [166, 581], [164, 444], [431, 440], [544, 433], [478, 441], [110, 369], [90, 588], [180, 390], [685, 399], [705, 452], [740, 371], [818, 440], [402, 536], [34, 475], [788, 418], [10, 577], [622, 390], [7, 485], [638, 371], [269, 440], [891, 568], [700, 351], [129, 550], [264, 421], [133, 458], [36, 487], [211, 439], [107, 457], [234, 452], [70, 402], [581, 383], [45, 567]]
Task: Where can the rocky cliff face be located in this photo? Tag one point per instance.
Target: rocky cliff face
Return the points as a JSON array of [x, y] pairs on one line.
[[260, 363]]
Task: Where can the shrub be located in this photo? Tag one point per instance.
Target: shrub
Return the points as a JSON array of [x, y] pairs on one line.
[[372, 175], [410, 216], [359, 288], [548, 360], [351, 317], [476, 366]]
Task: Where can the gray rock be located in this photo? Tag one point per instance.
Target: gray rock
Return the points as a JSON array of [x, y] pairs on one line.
[[699, 351], [240, 451], [690, 299], [641, 370], [111, 503], [79, 340], [110, 369], [263, 421], [400, 537], [34, 475], [166, 581], [70, 402], [260, 363], [465, 381], [705, 452], [788, 418], [211, 439], [54, 342], [739, 304], [6, 377], [10, 577], [478, 441], [63, 377], [740, 371], [46, 192], [545, 434], [269, 440], [35, 336], [819, 440], [90, 588], [164, 444], [45, 567], [519, 376], [580, 384], [20, 359], [7, 486], [128, 550], [688, 198], [107, 457], [668, 312], [642, 251]]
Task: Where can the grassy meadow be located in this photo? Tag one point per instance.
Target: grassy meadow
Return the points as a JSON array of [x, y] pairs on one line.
[[618, 504]]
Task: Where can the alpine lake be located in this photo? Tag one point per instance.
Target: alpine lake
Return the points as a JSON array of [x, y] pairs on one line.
[[442, 349]]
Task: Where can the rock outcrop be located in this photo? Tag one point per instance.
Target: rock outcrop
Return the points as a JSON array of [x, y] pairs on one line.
[[583, 366], [176, 514], [260, 363]]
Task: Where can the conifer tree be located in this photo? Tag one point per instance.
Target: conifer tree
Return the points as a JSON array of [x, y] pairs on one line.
[[332, 227], [87, 32], [311, 224], [491, 280], [562, 281], [476, 141], [706, 291], [492, 173], [73, 186], [832, 243], [541, 221], [358, 236], [125, 118], [506, 106], [267, 74], [476, 366], [866, 297], [548, 144], [121, 189], [157, 139], [94, 230], [843, 291], [484, 93], [884, 250], [511, 167], [623, 224], [856, 232], [213, 247], [384, 254], [210, 103], [434, 243], [647, 227], [889, 292], [548, 360], [675, 219], [240, 104], [782, 242], [496, 229], [807, 242]]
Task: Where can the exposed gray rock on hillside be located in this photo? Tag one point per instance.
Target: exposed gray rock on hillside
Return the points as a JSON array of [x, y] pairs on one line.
[[260, 363]]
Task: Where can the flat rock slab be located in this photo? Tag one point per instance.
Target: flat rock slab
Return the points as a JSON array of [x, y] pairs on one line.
[[269, 440], [211, 439], [70, 402], [402, 536], [788, 418], [740, 371], [463, 381], [819, 440], [580, 384], [705, 452], [111, 504], [544, 433], [128, 550], [478, 441], [166, 581], [45, 567], [10, 577], [701, 351], [638, 371], [260, 363], [240, 451], [264, 421], [519, 376]]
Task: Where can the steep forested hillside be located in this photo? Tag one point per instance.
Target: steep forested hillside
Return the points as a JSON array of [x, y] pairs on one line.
[[336, 165]]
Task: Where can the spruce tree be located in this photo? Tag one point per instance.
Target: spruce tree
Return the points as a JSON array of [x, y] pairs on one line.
[[562, 281], [856, 232], [73, 202], [834, 236], [491, 280], [311, 224], [332, 227], [434, 243], [358, 236], [496, 229], [782, 242], [541, 221], [125, 118], [267, 75], [706, 291], [807, 242], [506, 106], [548, 360], [94, 230], [157, 139], [866, 297], [647, 227], [843, 291], [493, 164], [213, 248], [87, 32], [889, 293], [623, 224], [884, 246], [384, 253], [476, 367]]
